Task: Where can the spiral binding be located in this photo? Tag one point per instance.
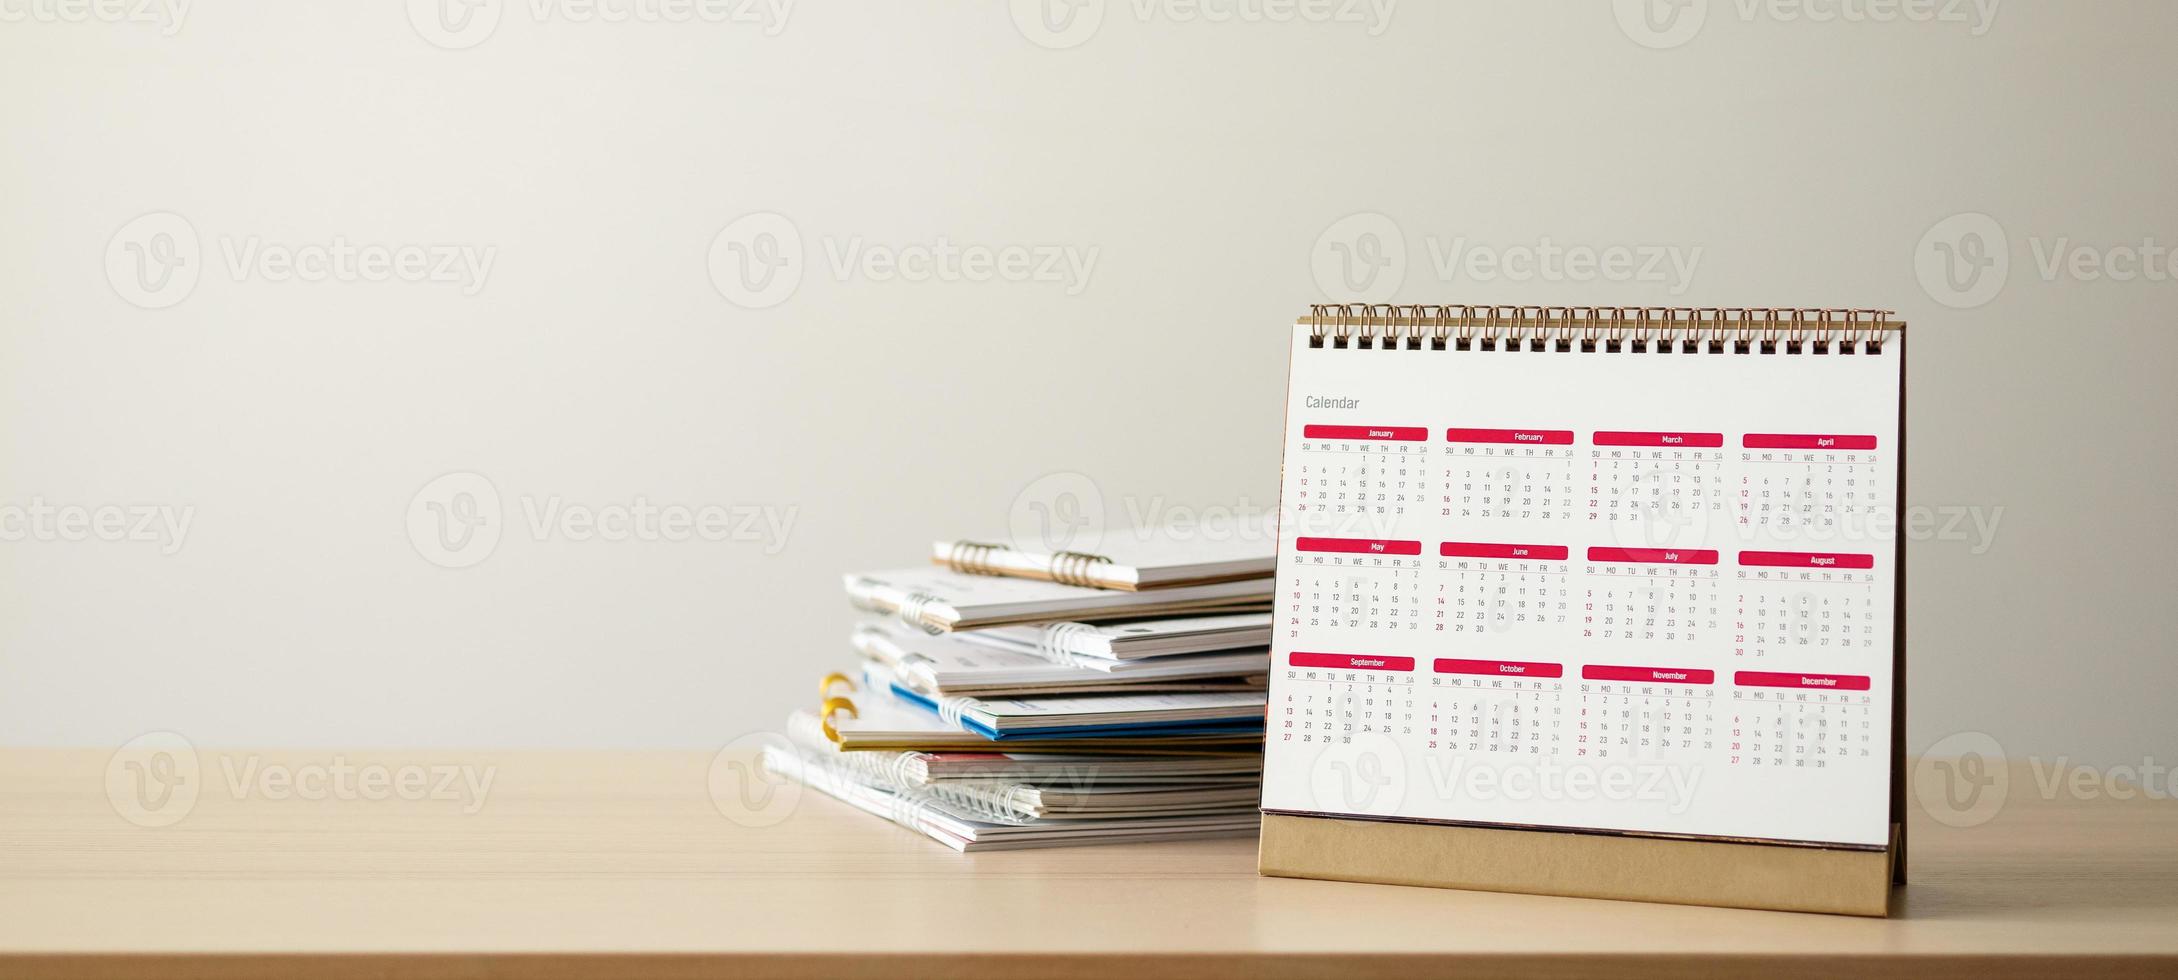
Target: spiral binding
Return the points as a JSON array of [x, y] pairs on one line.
[[897, 767], [894, 772], [912, 607], [877, 640], [907, 803], [1638, 329], [1067, 567], [1076, 567], [956, 801], [831, 706], [1054, 642], [950, 709], [973, 557]]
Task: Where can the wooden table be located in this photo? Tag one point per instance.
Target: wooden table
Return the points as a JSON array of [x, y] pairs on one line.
[[599, 864]]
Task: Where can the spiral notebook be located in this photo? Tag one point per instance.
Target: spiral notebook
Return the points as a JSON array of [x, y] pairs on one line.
[[1125, 558], [1079, 643], [1599, 602], [950, 665], [939, 600], [878, 719], [967, 823]]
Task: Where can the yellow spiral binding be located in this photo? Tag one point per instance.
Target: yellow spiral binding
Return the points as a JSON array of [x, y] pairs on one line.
[[831, 706]]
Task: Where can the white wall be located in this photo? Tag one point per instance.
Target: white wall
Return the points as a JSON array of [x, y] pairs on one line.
[[295, 422]]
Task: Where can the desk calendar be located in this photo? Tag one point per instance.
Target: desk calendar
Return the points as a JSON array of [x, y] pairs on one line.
[[1630, 575]]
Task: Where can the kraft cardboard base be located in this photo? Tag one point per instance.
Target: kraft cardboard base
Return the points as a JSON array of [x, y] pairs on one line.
[[1756, 876]]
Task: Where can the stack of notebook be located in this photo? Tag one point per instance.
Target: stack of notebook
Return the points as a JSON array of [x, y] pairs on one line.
[[1014, 698]]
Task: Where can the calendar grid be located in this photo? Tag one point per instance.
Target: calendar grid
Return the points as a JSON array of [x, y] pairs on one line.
[[1605, 585]]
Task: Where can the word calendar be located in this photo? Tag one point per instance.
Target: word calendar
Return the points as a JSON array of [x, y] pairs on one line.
[[1559, 578]]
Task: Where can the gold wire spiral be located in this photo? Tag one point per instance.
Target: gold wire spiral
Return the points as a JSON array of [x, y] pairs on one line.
[[1661, 328]]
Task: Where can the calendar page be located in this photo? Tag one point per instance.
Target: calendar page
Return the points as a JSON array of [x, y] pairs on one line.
[[1642, 592]]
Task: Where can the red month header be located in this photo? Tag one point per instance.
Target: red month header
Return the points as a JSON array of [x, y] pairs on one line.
[[1530, 437], [1380, 433], [1359, 546], [1826, 682], [1805, 559], [1775, 440], [1500, 668], [1656, 675], [1349, 661], [1691, 440], [1655, 556], [1469, 549]]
